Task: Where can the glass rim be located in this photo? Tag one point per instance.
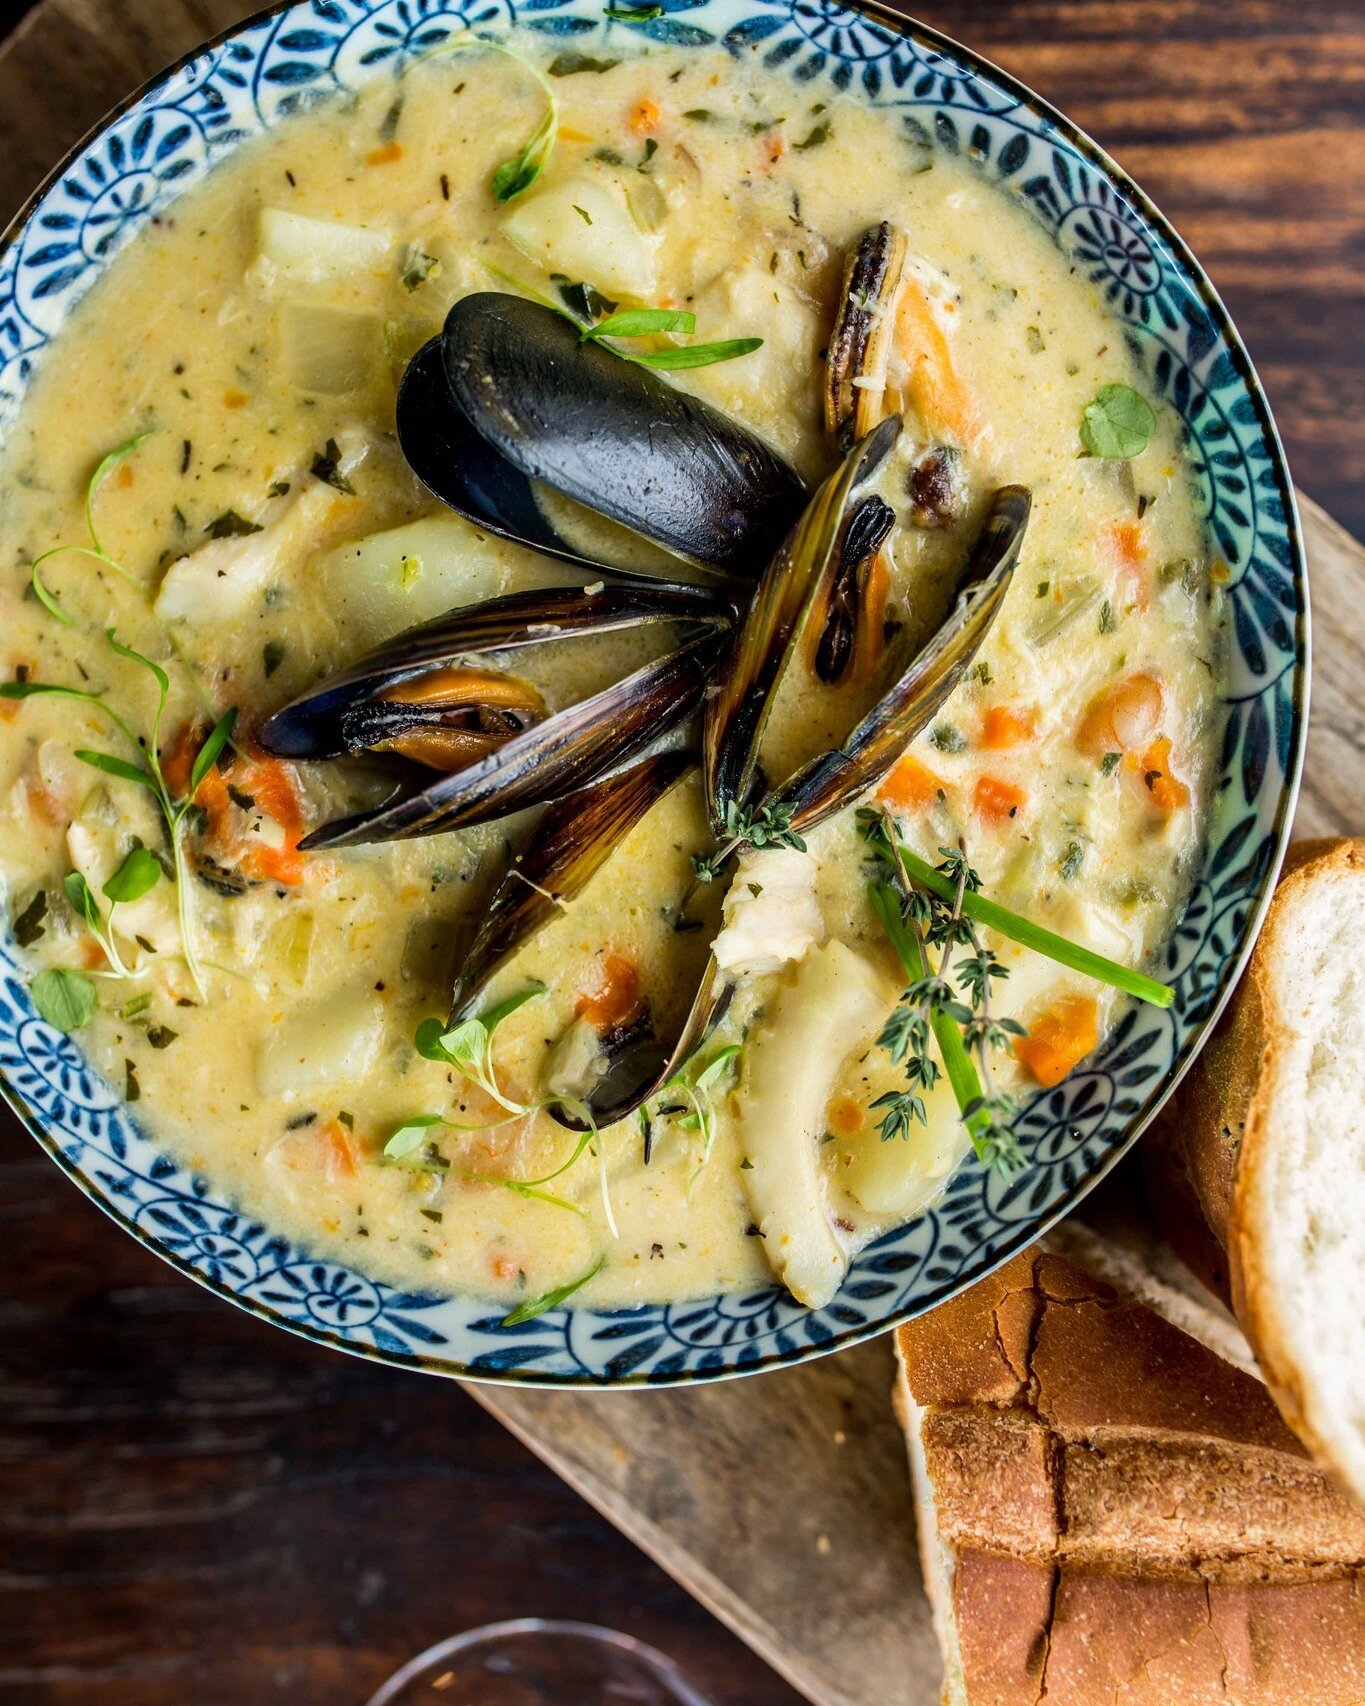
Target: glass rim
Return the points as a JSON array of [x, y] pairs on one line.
[[664, 1667]]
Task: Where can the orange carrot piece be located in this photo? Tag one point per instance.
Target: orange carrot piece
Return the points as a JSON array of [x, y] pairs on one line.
[[615, 998], [911, 786], [934, 386], [644, 117], [1059, 1039], [270, 782], [386, 155], [1002, 725], [846, 1116], [997, 800], [1164, 788], [235, 399], [340, 1153]]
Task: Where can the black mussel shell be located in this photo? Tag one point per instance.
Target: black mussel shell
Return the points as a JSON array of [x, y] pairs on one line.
[[550, 758], [835, 779], [606, 432], [865, 533], [737, 711], [315, 725], [572, 839]]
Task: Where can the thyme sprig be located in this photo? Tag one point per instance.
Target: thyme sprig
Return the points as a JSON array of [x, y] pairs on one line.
[[145, 770], [933, 1005], [761, 826]]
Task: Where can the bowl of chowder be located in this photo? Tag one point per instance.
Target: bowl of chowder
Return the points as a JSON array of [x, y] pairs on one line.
[[654, 671]]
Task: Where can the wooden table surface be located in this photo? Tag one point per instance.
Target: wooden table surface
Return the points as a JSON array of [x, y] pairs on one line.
[[197, 1508]]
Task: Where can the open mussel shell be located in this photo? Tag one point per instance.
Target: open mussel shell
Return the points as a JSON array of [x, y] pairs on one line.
[[835, 779], [572, 840], [545, 760], [596, 427], [737, 711], [844, 607], [316, 724]]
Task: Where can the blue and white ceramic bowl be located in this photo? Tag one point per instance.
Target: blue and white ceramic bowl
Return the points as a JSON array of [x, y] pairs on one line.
[[166, 138]]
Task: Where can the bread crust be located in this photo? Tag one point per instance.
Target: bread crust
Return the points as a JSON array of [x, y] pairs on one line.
[[1219, 1131], [1123, 1516]]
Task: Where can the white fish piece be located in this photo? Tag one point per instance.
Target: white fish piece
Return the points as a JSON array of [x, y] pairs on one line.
[[223, 578], [791, 1060], [771, 915]]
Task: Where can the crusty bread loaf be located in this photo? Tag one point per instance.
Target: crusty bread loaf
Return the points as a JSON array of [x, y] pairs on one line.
[[1268, 1134], [1109, 1513]]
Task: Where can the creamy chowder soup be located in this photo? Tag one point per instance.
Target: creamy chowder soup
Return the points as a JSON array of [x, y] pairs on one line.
[[258, 529]]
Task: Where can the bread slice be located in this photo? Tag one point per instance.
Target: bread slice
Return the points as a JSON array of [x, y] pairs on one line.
[[1268, 1131], [1108, 1512]]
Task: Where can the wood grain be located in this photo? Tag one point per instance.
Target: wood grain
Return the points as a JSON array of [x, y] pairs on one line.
[[195, 1507]]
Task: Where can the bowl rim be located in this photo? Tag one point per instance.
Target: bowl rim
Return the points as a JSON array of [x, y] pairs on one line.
[[908, 28]]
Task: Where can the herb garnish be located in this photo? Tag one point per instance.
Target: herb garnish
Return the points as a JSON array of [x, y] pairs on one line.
[[633, 14], [468, 1048], [326, 466], [570, 64], [144, 769], [66, 999], [767, 825], [95, 548], [982, 910], [230, 525], [138, 873], [551, 1299], [646, 322], [686, 1097], [933, 1002], [1118, 423], [28, 925]]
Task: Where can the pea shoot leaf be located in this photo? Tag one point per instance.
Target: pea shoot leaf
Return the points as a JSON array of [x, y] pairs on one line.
[[1117, 424], [66, 999]]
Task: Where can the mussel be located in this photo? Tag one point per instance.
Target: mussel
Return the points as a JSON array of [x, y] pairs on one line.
[[510, 393], [574, 838], [888, 352], [439, 695]]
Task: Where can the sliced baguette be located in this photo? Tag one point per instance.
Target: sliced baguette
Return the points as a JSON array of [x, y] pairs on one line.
[[1108, 1512], [1268, 1133]]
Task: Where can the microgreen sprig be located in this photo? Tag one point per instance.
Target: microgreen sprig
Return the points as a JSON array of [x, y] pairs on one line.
[[94, 547], [648, 322], [513, 177], [687, 1098], [136, 875], [468, 1048], [144, 769], [551, 1299]]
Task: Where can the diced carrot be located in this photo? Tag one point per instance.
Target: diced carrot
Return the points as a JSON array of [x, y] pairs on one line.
[[502, 1268], [339, 1150], [1124, 718], [125, 476], [934, 385], [644, 117], [47, 804], [177, 758], [1002, 725], [846, 1116], [615, 998], [776, 144], [92, 955], [1126, 544], [1164, 788], [385, 155], [996, 799], [911, 786], [270, 782], [1059, 1039], [235, 399]]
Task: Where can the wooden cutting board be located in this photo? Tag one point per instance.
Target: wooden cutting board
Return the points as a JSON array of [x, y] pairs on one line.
[[781, 1503]]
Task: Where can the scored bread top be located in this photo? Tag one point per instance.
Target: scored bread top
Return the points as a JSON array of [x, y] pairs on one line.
[[1062, 1422]]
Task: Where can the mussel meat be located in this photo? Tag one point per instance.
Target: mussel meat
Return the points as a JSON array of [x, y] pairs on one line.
[[435, 695], [510, 393]]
